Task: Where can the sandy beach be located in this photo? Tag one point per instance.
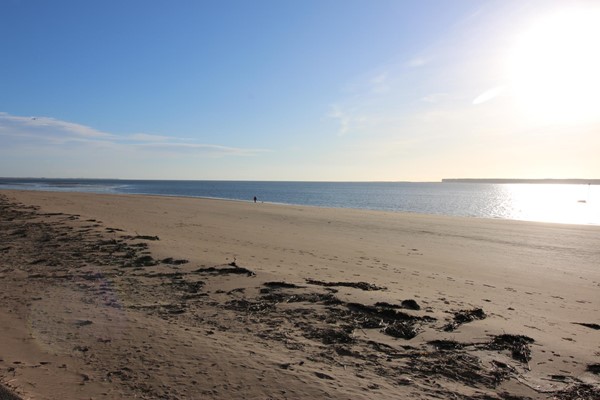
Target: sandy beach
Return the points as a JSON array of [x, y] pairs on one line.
[[122, 296]]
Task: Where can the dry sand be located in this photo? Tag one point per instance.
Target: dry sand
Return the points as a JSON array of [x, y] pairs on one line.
[[107, 296]]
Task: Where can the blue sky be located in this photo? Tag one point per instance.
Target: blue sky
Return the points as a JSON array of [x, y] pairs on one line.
[[299, 90]]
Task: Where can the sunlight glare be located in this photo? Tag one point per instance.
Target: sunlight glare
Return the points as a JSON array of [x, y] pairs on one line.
[[555, 67]]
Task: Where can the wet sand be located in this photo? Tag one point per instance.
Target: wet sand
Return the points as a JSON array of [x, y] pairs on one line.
[[107, 296]]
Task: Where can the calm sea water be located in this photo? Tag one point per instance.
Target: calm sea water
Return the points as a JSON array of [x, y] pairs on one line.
[[575, 204]]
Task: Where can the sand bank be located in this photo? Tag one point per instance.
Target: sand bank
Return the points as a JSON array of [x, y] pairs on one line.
[[156, 297]]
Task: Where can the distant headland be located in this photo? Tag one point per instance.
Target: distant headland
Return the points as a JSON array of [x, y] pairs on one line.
[[543, 181]]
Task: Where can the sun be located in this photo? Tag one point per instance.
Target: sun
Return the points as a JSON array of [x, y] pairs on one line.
[[554, 67]]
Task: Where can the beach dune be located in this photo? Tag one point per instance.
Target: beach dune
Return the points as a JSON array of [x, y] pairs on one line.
[[117, 296]]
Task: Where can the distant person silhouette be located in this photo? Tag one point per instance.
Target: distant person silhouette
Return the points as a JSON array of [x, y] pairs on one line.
[[255, 199]]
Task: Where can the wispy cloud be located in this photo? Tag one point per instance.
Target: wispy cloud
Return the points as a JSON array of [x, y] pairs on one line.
[[350, 120], [416, 62], [435, 97], [49, 126], [380, 83], [373, 101], [488, 95], [48, 133], [145, 137], [338, 114], [215, 150]]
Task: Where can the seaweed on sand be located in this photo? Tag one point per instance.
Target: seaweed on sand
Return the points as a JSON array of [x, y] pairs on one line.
[[229, 269], [393, 323], [517, 344], [401, 329], [588, 325], [593, 368], [446, 344], [6, 394], [172, 261], [145, 237], [331, 335], [324, 298], [409, 304], [579, 391], [250, 306], [464, 316], [459, 366], [357, 285], [280, 285]]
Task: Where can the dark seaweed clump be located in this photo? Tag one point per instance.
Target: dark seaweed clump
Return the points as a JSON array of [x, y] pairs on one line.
[[463, 317], [580, 391], [357, 285], [229, 269], [518, 345], [588, 325], [594, 368]]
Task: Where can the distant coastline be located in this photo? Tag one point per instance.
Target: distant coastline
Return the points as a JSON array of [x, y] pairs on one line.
[[542, 181]]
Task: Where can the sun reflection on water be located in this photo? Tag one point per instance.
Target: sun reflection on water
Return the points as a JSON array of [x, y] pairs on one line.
[[574, 204]]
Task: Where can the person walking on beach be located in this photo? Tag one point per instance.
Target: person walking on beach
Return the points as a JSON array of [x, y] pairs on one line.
[[255, 199]]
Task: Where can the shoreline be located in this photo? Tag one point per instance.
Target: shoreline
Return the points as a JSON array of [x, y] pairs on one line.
[[182, 297], [407, 213]]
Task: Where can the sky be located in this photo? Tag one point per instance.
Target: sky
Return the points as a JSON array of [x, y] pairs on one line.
[[311, 90]]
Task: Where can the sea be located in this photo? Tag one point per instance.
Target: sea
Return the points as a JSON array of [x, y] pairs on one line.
[[556, 203]]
